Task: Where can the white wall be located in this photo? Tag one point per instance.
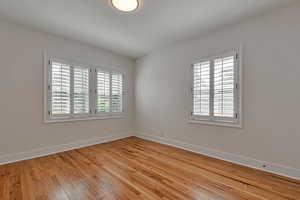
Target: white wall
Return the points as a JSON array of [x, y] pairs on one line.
[[271, 53], [271, 90], [21, 88]]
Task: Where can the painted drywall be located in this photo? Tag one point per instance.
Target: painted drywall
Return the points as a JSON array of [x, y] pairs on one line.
[[271, 50], [21, 88]]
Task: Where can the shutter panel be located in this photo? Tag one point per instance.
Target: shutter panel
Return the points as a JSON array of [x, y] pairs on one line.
[[81, 90], [224, 87], [116, 90], [103, 91], [60, 89], [201, 89]]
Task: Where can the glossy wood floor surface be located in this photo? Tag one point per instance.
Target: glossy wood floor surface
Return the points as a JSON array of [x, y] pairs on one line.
[[133, 168]]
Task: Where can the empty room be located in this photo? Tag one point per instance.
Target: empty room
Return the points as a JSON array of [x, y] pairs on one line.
[[149, 100]]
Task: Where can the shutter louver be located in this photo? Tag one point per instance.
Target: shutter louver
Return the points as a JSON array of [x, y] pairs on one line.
[[201, 89], [103, 91], [60, 89], [224, 87], [81, 90], [117, 91]]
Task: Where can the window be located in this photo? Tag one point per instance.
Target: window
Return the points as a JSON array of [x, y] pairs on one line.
[[60, 90], [76, 92], [109, 92], [103, 91], [81, 90], [216, 91]]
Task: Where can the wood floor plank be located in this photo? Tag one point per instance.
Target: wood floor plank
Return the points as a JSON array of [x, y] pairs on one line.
[[196, 172], [105, 182], [239, 175], [174, 181], [137, 169], [4, 182], [173, 174]]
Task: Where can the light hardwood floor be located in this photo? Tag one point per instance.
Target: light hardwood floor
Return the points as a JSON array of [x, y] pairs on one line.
[[133, 168]]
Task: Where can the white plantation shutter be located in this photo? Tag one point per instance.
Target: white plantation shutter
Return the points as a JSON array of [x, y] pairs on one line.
[[201, 89], [81, 90], [109, 92], [60, 89], [116, 92], [103, 91], [216, 95], [224, 87]]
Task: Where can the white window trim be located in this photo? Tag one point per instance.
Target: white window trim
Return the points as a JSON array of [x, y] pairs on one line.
[[93, 115], [214, 121]]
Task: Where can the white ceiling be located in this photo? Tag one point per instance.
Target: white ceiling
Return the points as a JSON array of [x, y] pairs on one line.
[[156, 23]]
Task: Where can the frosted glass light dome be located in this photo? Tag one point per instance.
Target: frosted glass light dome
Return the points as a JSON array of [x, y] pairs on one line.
[[125, 5]]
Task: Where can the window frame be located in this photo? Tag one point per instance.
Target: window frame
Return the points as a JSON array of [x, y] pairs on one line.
[[211, 119], [92, 115]]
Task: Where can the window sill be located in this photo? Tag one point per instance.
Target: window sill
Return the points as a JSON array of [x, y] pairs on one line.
[[216, 123], [106, 117]]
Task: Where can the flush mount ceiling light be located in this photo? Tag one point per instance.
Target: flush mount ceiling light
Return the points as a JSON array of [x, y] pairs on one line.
[[125, 5]]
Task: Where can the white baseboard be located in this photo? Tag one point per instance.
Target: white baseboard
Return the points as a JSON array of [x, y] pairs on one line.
[[35, 153], [234, 158]]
